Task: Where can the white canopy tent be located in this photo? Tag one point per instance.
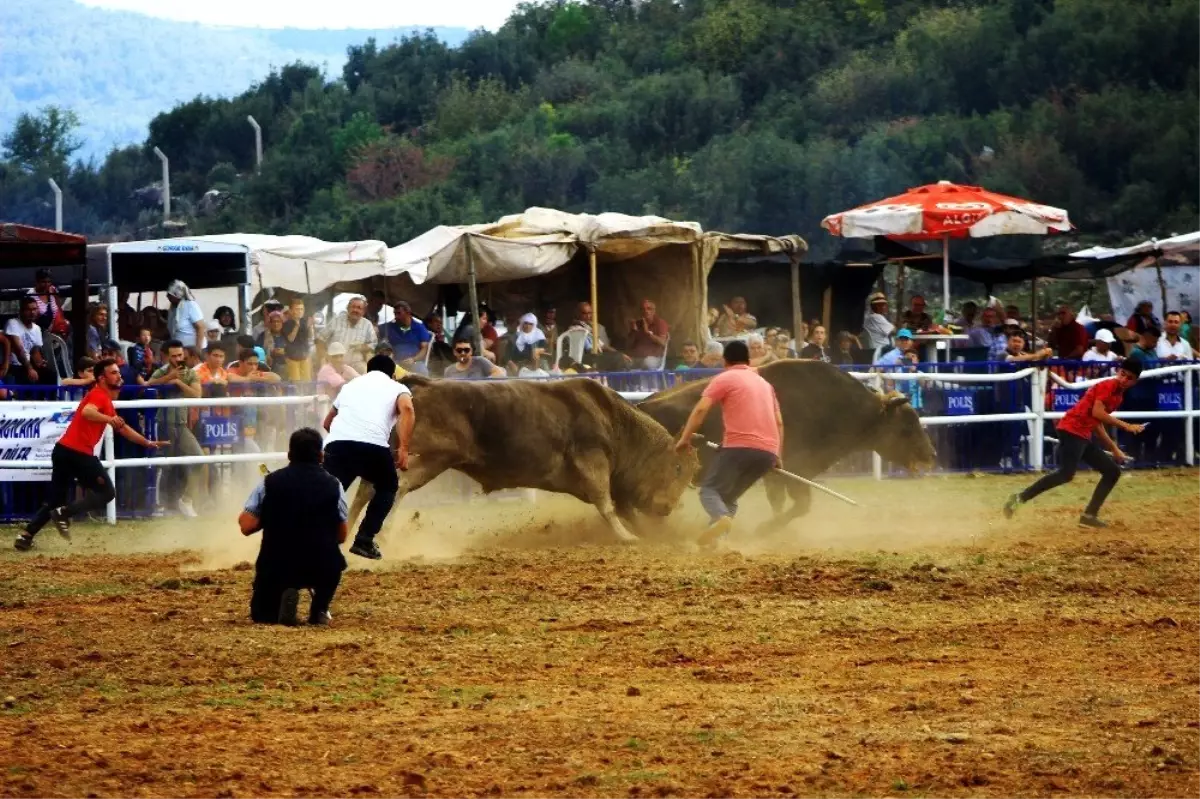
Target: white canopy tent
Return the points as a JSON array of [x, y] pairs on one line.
[[305, 264]]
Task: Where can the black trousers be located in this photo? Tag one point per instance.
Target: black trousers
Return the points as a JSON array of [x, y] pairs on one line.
[[1071, 450], [347, 460], [267, 594], [729, 475], [70, 467]]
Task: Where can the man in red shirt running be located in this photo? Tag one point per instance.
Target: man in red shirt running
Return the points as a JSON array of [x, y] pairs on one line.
[[74, 457], [1094, 410], [753, 438]]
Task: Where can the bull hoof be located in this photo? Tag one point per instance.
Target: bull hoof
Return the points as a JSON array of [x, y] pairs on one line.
[[769, 527]]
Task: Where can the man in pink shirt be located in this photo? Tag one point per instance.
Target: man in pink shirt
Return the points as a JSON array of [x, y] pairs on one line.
[[753, 438]]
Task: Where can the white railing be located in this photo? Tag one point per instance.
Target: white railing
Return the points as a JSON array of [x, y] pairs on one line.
[[1036, 416]]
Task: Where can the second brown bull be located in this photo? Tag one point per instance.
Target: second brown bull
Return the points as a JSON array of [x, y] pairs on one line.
[[827, 415]]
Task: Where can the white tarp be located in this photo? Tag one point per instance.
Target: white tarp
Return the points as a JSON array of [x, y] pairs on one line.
[[530, 244], [1129, 288], [1187, 243], [305, 264]]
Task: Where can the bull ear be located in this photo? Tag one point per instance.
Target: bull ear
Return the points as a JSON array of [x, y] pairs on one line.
[[895, 401]]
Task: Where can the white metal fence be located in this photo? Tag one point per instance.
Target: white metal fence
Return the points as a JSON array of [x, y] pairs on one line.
[[1035, 416]]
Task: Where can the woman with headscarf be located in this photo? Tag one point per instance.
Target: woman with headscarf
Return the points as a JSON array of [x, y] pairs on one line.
[[185, 320], [529, 344], [227, 319]]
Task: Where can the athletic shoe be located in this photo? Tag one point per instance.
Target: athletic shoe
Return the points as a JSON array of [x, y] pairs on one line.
[[1010, 507], [366, 549], [1088, 520], [321, 619], [24, 542], [708, 539], [287, 607], [61, 522], [185, 507]]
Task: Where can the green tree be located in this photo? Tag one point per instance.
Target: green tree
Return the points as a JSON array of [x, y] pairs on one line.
[[43, 143]]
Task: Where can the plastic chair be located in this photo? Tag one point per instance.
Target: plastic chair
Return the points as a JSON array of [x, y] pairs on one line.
[[575, 340], [59, 355]]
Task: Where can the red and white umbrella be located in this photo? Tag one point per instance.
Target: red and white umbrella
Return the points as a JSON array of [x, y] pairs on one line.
[[945, 211]]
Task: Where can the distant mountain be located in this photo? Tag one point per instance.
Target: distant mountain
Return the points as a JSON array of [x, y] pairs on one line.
[[117, 69]]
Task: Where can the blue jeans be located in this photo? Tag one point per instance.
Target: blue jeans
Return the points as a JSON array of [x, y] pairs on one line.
[[730, 473]]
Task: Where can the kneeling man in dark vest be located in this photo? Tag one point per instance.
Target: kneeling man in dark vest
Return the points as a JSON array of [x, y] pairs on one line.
[[301, 510]]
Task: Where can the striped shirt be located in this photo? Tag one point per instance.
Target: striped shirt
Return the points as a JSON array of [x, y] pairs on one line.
[[353, 336]]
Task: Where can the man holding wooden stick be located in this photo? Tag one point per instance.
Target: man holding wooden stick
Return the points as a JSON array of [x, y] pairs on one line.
[[752, 443]]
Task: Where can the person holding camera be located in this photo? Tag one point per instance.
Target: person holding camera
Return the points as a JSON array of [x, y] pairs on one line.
[[648, 337]]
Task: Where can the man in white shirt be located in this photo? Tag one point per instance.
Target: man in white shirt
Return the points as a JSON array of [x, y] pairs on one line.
[[185, 321], [23, 335], [359, 424], [1172, 346], [876, 324], [1101, 349]]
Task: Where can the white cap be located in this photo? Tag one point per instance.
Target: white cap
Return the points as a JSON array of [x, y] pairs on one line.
[[213, 324], [336, 348], [1012, 322], [1105, 335]]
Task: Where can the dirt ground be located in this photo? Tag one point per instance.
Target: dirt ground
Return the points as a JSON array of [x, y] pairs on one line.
[[920, 645]]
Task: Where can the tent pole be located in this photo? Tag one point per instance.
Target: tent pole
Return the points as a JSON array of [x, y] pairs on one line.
[[1162, 285], [473, 297], [899, 310], [826, 308], [797, 309], [595, 301]]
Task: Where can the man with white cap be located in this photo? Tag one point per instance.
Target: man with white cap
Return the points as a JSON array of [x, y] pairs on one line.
[[1102, 347], [185, 321]]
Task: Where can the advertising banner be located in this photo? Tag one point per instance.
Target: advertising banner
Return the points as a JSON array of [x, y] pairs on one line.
[[28, 433]]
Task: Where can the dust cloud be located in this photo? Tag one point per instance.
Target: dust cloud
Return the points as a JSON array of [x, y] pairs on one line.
[[446, 520]]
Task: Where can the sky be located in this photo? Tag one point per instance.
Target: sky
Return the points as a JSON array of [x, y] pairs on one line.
[[472, 14]]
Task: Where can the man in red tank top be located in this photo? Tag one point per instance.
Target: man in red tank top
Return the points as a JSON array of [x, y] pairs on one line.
[[74, 457], [1094, 410]]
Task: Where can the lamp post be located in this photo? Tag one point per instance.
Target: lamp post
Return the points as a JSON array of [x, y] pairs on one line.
[[57, 204], [257, 143], [166, 181]]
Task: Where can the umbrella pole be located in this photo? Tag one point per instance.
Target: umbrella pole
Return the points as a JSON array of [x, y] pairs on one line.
[[945, 279]]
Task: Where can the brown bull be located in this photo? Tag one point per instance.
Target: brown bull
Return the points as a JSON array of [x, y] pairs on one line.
[[827, 415], [572, 436]]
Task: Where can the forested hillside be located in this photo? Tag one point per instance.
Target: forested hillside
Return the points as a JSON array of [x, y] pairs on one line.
[[117, 69], [744, 115]]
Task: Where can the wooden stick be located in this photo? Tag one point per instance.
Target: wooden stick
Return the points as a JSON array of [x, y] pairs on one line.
[[791, 476]]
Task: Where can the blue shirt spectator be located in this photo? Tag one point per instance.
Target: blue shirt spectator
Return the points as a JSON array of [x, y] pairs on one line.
[[408, 335]]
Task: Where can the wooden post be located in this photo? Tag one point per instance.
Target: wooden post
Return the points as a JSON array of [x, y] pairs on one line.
[[595, 301], [899, 310], [473, 298], [1162, 286], [826, 308], [797, 309]]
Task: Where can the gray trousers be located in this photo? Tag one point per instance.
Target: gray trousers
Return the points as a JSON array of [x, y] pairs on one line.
[[730, 473]]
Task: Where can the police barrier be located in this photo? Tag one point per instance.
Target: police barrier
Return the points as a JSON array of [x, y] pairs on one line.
[[982, 416]]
